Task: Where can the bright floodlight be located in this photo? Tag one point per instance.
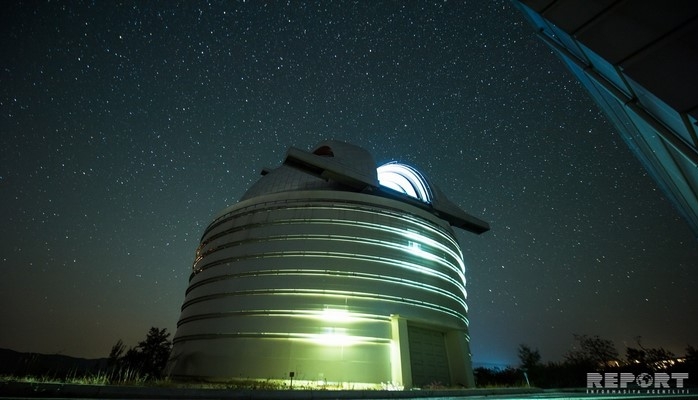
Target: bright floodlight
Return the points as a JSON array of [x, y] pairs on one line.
[[404, 179]]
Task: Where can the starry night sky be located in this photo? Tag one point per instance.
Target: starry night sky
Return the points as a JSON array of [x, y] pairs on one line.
[[125, 128]]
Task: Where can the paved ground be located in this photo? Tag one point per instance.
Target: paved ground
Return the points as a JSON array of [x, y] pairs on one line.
[[13, 390]]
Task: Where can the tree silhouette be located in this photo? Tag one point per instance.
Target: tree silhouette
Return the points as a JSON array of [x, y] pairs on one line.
[[148, 358], [529, 358], [588, 354], [635, 356], [691, 355], [117, 350], [647, 357], [592, 352]]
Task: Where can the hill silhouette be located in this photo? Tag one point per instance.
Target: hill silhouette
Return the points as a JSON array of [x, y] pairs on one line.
[[51, 365]]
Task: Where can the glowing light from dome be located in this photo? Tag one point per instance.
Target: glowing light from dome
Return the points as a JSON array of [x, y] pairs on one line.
[[404, 179]]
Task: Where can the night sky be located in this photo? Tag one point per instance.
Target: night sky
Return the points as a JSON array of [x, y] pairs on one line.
[[125, 128]]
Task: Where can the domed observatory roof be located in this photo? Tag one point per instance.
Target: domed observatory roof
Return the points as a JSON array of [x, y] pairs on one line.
[[334, 269], [314, 171], [340, 166]]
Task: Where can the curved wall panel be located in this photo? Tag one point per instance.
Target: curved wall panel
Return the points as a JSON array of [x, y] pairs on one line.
[[304, 279]]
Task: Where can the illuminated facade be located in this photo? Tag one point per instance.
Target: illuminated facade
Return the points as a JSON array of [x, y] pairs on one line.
[[334, 270], [638, 60]]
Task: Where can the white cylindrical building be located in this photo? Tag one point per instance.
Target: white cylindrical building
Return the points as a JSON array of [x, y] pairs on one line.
[[334, 271]]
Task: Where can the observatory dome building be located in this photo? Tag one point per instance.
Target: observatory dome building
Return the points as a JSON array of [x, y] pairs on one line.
[[330, 269]]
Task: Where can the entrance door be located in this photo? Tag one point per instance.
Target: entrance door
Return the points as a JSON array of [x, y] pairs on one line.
[[428, 357]]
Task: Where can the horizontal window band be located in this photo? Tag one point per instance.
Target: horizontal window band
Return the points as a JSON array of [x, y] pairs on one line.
[[343, 274], [376, 211], [276, 335], [412, 250], [306, 203], [330, 293], [353, 317], [347, 256], [406, 251]]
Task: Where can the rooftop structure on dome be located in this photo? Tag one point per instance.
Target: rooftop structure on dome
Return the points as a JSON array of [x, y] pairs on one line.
[[334, 270]]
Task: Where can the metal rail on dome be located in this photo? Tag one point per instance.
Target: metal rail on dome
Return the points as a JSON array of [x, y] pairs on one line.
[[329, 168], [405, 179]]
